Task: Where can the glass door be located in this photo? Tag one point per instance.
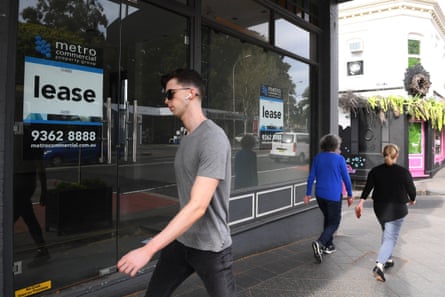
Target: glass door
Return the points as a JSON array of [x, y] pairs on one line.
[[154, 41], [416, 152], [94, 143]]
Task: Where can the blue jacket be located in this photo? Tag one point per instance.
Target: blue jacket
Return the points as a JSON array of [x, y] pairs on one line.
[[328, 170]]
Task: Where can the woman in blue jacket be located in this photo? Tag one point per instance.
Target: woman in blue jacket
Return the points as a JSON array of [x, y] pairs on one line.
[[328, 170]]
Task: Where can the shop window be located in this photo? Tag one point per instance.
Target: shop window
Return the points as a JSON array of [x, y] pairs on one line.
[[247, 17], [415, 138], [438, 143], [292, 38], [83, 69], [304, 9], [257, 93]]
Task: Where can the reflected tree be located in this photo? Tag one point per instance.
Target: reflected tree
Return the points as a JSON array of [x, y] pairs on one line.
[[73, 21], [85, 17], [263, 68], [302, 111]]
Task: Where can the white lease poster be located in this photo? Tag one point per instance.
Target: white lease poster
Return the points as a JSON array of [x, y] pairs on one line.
[[59, 88]]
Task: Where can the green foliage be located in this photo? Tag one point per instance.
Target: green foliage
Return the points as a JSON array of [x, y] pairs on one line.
[[84, 17], [425, 109]]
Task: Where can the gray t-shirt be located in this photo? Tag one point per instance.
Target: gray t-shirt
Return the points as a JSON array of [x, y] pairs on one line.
[[206, 152]]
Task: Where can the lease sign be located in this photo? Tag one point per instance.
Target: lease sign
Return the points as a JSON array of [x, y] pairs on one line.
[[62, 106], [271, 117], [59, 88]]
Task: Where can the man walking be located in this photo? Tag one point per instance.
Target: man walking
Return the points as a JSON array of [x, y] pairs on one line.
[[198, 238]]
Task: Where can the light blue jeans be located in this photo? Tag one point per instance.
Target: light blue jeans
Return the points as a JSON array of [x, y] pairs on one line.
[[391, 231]]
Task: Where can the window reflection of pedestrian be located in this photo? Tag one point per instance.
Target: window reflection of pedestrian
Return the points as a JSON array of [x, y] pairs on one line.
[[198, 238], [246, 174], [393, 189], [25, 184], [328, 170]]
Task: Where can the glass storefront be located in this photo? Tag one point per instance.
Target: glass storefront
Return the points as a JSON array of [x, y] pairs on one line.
[[237, 102], [95, 143]]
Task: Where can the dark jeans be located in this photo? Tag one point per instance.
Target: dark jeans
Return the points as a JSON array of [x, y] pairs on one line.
[[177, 262], [332, 215]]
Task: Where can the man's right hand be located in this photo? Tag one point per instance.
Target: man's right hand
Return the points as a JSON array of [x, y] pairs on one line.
[[134, 261]]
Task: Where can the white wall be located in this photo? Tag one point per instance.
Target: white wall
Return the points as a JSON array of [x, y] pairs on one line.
[[384, 27]]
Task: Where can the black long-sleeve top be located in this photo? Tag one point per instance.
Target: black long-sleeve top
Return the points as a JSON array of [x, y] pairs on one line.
[[393, 185]]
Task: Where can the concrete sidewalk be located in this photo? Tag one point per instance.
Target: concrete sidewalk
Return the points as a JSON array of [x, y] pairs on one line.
[[432, 186], [292, 271]]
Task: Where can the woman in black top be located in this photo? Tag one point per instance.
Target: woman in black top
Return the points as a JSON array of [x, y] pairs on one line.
[[393, 189]]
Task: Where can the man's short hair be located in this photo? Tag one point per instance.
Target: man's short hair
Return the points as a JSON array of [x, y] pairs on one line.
[[185, 77]]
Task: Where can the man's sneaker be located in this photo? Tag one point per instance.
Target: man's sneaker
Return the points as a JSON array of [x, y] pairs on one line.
[[318, 253], [389, 263], [330, 249], [378, 274]]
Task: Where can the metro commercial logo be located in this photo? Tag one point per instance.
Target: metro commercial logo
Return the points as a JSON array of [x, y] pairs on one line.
[[75, 53], [271, 92], [66, 52], [42, 46]]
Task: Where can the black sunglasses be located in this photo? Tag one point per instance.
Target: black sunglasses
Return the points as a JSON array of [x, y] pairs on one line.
[[171, 92]]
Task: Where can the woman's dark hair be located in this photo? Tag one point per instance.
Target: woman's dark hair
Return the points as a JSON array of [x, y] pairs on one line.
[[185, 77], [330, 143]]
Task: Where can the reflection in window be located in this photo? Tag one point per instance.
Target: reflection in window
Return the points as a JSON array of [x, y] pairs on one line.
[[413, 52], [297, 107], [247, 16], [438, 143], [415, 138], [304, 9], [291, 38], [237, 102]]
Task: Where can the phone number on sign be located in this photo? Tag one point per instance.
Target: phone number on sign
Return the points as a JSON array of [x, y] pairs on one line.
[[60, 135]]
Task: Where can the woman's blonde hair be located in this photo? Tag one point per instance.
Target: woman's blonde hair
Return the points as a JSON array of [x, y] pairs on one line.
[[390, 153]]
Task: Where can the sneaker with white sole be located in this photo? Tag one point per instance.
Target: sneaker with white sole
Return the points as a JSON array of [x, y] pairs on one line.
[[378, 274], [389, 263], [330, 249], [318, 251]]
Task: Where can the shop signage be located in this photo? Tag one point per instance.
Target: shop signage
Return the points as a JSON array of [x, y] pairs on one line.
[[68, 52], [62, 105], [270, 112], [59, 88]]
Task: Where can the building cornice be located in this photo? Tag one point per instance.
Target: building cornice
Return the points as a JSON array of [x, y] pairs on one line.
[[356, 9]]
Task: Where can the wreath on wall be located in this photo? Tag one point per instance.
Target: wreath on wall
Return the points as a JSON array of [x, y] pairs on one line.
[[417, 81]]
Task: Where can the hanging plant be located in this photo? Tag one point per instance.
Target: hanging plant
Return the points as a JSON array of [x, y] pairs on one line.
[[428, 109]]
